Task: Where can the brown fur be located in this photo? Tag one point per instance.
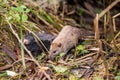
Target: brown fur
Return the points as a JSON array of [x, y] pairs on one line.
[[67, 38]]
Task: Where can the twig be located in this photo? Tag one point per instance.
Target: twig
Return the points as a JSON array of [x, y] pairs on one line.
[[114, 26], [21, 59], [108, 8], [30, 2], [5, 67], [86, 56], [97, 35], [47, 76]]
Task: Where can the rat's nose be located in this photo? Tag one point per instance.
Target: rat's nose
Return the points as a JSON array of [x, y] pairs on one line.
[[25, 41], [51, 56]]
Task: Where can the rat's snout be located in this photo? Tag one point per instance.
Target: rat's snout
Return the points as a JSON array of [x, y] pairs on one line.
[[51, 56], [26, 41]]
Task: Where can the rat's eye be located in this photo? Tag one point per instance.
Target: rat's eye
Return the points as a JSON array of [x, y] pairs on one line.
[[59, 45], [55, 51]]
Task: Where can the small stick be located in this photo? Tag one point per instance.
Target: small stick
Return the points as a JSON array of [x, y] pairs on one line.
[[108, 8]]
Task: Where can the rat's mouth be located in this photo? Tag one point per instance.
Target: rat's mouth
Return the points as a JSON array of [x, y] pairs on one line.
[[52, 56]]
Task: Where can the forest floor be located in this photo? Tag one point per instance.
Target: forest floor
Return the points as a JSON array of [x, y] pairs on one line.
[[96, 57]]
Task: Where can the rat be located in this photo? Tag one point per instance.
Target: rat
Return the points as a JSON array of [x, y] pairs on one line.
[[33, 45], [66, 39]]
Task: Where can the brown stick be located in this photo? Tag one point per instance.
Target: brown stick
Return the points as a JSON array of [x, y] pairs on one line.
[[108, 8]]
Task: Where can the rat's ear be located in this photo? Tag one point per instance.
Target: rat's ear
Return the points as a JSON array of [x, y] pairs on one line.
[[59, 45]]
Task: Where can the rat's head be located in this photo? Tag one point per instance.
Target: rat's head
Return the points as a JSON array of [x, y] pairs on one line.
[[55, 49], [29, 39]]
